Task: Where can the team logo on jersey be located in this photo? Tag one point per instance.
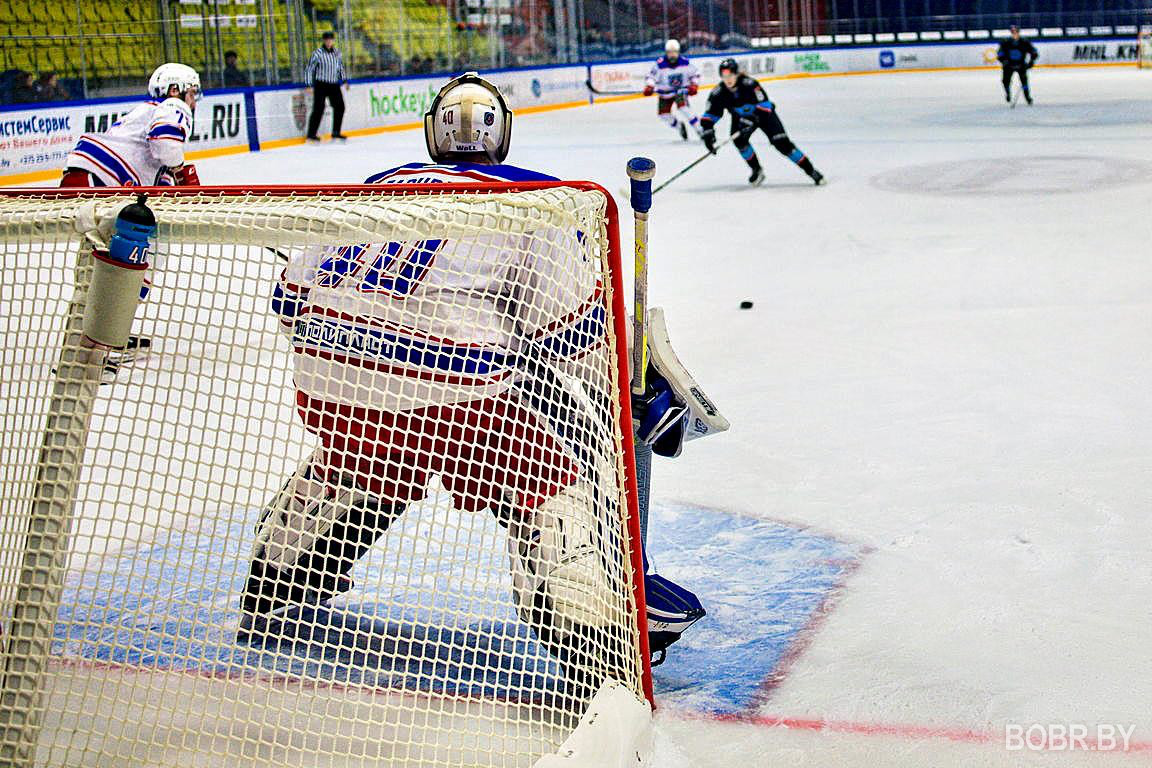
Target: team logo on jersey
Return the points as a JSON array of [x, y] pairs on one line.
[[489, 118]]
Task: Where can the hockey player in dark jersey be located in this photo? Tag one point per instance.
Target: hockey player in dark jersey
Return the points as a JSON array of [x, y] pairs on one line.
[[751, 109], [1016, 55]]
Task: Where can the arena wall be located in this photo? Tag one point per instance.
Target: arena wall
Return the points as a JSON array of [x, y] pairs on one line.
[[34, 141]]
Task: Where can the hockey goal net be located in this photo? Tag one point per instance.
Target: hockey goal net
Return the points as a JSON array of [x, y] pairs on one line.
[[413, 614], [1144, 47]]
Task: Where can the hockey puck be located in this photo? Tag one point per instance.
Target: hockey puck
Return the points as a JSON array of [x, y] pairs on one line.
[[745, 305]]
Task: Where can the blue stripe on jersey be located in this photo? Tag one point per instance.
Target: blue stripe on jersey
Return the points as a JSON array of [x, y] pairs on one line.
[[575, 339], [165, 130], [744, 109], [286, 305], [374, 344], [766, 104], [710, 117], [106, 160], [467, 172]]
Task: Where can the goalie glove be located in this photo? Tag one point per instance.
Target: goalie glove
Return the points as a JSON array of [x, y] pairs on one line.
[[673, 408], [660, 418]]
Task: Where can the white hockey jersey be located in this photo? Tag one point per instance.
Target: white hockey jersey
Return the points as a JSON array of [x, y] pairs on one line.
[[139, 148], [406, 325], [670, 79]]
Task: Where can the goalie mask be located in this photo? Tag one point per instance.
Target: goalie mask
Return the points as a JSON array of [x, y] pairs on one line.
[[467, 117]]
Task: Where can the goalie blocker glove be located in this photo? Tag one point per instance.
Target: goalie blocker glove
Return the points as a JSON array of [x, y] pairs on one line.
[[673, 408]]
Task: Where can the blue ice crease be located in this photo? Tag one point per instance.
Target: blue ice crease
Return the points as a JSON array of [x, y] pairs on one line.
[[173, 605]]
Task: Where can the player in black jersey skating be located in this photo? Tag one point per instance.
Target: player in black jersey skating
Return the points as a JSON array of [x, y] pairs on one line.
[[1016, 55], [751, 109]]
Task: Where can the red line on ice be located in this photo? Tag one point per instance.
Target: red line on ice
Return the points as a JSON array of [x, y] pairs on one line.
[[899, 730]]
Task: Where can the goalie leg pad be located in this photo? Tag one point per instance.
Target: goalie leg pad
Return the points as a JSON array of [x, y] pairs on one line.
[[556, 556], [309, 536]]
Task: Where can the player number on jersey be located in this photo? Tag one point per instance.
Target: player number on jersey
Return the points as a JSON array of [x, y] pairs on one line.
[[392, 268]]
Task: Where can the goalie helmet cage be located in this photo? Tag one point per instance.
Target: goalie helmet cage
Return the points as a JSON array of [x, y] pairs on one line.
[[129, 507]]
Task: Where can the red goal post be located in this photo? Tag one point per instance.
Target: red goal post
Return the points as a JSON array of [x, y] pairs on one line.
[[128, 506]]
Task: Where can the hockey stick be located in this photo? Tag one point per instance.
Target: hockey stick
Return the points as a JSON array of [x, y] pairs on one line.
[[694, 163], [599, 92], [627, 193], [640, 173]]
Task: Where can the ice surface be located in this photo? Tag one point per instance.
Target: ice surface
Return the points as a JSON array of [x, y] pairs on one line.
[[947, 366]]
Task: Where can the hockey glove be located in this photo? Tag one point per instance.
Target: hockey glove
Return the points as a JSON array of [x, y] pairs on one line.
[[661, 416], [708, 135], [649, 90], [693, 89], [186, 176]]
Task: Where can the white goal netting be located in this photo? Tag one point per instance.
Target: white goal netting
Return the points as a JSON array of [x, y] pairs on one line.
[[1144, 47], [359, 495]]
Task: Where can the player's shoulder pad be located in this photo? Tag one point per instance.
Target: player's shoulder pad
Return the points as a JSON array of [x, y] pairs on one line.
[[514, 173], [444, 173], [175, 110], [662, 63]]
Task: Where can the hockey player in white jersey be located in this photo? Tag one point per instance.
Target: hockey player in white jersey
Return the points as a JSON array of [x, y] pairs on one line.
[[673, 79], [146, 146], [407, 365], [143, 148]]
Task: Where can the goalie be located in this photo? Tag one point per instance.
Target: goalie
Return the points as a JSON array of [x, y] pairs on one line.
[[416, 358]]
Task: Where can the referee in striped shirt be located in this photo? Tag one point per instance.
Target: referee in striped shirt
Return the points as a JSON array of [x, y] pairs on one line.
[[325, 73]]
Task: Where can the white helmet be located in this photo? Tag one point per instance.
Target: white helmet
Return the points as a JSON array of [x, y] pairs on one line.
[[468, 116], [672, 46], [168, 75]]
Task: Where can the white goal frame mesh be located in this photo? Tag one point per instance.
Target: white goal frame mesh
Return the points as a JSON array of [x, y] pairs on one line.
[[459, 633]]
